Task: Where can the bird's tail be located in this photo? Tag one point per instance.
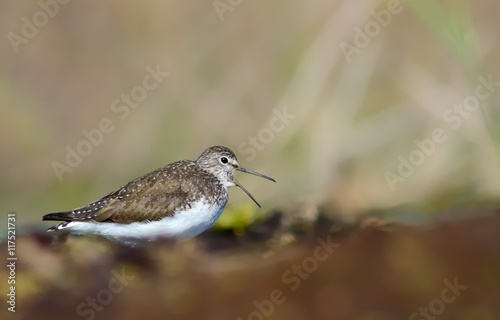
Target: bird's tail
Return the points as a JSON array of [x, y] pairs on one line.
[[58, 216], [60, 226]]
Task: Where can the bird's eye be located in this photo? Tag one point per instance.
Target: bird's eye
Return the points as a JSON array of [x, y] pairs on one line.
[[223, 160]]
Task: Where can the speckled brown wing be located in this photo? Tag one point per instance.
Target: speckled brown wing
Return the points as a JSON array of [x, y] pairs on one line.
[[151, 197]]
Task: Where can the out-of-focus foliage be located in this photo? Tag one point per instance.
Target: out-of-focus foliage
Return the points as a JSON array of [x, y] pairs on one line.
[[230, 73]]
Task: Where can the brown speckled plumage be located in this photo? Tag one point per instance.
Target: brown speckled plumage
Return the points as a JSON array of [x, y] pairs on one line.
[[164, 192]]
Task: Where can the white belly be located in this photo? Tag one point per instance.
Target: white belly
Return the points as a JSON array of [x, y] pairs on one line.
[[186, 224]]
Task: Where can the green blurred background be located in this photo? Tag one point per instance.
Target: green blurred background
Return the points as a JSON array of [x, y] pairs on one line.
[[232, 65]]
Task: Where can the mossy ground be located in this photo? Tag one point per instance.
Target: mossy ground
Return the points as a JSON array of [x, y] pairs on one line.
[[324, 269]]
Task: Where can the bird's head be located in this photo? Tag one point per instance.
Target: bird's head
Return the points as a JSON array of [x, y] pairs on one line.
[[222, 163]]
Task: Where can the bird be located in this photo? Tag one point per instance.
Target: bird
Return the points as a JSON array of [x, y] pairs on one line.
[[180, 201]]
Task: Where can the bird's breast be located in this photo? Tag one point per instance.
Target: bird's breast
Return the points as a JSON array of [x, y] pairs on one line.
[[200, 216]]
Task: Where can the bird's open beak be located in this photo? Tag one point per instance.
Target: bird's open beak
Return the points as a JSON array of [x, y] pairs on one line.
[[255, 174]]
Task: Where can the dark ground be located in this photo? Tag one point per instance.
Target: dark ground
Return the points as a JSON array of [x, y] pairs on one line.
[[275, 270]]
